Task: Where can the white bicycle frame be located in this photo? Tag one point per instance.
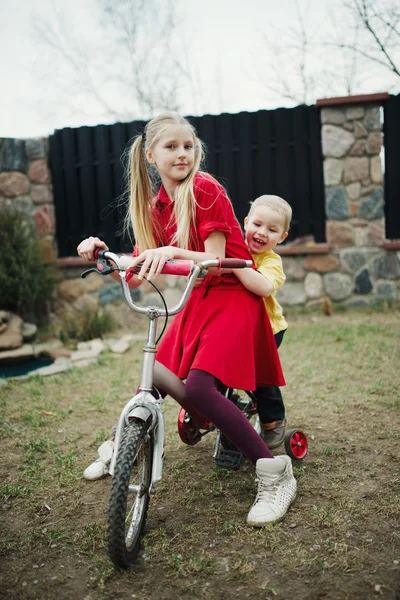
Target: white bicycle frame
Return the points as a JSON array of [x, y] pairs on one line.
[[144, 406]]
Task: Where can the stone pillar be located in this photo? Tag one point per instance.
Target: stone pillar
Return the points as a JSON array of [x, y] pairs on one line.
[[25, 180], [354, 202]]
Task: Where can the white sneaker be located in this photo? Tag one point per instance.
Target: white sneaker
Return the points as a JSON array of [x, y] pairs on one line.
[[276, 491], [100, 467]]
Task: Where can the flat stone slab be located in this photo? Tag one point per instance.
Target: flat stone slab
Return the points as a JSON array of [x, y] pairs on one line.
[[119, 347], [59, 365], [21, 353], [85, 354]]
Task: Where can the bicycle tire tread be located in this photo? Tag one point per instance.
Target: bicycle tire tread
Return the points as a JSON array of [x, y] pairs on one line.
[[120, 555]]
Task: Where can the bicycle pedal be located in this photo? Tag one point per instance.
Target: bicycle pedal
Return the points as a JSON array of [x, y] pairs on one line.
[[229, 459]]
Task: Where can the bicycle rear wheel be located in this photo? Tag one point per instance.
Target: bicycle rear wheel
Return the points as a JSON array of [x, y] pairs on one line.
[[130, 494]]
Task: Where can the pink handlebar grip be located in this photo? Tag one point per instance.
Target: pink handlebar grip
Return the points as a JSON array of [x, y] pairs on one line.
[[177, 267], [171, 267], [234, 263]]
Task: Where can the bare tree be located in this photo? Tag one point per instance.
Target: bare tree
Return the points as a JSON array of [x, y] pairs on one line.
[[333, 57], [124, 63], [380, 22]]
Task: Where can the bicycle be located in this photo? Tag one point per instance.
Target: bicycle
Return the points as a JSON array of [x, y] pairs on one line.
[[137, 462]]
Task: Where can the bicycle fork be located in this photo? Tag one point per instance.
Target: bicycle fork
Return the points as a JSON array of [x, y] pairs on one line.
[[145, 407]]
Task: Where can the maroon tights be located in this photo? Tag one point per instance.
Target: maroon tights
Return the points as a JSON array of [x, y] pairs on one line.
[[202, 394]]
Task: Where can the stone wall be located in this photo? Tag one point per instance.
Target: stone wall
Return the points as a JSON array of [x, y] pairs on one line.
[[358, 266], [25, 180]]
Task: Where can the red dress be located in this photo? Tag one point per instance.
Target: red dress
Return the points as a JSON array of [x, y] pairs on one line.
[[224, 329]]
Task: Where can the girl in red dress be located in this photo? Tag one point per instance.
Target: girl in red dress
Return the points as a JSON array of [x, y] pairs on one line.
[[223, 334]]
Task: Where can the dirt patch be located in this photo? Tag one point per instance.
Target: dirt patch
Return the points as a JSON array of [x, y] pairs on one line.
[[339, 541]]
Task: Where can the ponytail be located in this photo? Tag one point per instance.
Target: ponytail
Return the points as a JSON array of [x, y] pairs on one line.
[[139, 214]]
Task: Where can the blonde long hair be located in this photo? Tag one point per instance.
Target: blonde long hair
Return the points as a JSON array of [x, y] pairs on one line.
[[141, 183]]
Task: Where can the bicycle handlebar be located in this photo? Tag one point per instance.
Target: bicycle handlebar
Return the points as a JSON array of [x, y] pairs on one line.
[[173, 267]]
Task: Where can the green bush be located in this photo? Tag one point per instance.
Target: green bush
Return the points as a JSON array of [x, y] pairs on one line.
[[26, 283], [86, 326]]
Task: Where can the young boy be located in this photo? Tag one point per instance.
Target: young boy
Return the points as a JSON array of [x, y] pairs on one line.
[[265, 226]]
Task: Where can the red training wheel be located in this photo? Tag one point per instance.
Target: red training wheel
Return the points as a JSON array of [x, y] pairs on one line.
[[296, 444]]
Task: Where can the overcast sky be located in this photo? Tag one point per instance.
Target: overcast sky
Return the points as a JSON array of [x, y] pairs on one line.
[[220, 40]]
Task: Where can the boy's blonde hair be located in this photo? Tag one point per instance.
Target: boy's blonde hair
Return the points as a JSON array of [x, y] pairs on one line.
[[276, 203], [142, 179]]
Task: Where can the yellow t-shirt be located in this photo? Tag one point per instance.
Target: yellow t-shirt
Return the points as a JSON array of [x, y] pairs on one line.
[[269, 264]]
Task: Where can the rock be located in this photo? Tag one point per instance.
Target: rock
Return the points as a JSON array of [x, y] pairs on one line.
[[14, 156], [333, 171], [291, 294], [110, 293], [45, 220], [355, 169], [321, 263], [355, 112], [363, 283], [375, 235], [334, 116], [47, 348], [357, 302], [71, 289], [338, 286], [339, 235], [358, 148], [59, 365], [372, 119], [353, 259], [292, 269], [39, 172], [359, 130], [336, 204], [29, 331], [376, 169], [12, 338], [313, 286], [21, 353], [374, 142], [372, 207], [385, 290], [119, 347], [86, 303], [386, 266], [14, 184], [41, 194], [84, 355], [35, 148], [353, 190], [96, 344], [336, 142]]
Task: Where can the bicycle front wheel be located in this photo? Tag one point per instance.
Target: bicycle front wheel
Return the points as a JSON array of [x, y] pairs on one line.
[[130, 494]]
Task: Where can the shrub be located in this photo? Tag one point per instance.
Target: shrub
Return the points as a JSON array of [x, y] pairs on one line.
[[26, 282], [87, 325]]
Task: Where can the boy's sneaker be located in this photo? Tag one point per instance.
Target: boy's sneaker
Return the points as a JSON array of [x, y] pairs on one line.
[[273, 433], [276, 491], [100, 467]]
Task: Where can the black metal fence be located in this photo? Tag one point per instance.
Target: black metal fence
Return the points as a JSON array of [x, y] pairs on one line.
[[266, 152], [391, 131]]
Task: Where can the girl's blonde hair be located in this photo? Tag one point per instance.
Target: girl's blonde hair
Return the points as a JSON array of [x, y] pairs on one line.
[[142, 179], [276, 203]]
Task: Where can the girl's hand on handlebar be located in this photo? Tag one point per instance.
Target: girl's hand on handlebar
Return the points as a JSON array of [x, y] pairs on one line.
[[153, 261], [87, 248]]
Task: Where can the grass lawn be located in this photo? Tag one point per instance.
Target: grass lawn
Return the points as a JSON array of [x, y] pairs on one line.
[[340, 540]]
